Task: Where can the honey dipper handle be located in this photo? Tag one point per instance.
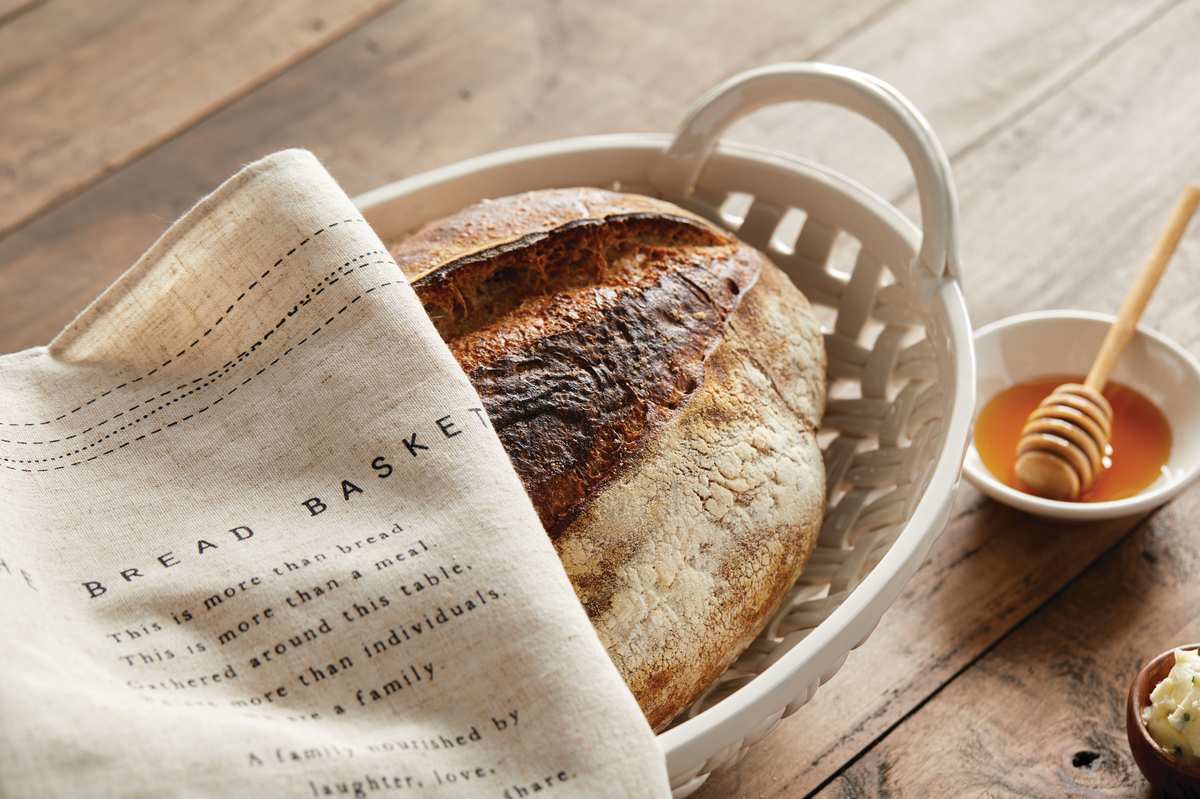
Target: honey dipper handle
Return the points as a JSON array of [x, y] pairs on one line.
[[1139, 294]]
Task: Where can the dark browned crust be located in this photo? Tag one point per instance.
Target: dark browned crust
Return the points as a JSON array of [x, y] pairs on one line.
[[614, 317], [656, 384]]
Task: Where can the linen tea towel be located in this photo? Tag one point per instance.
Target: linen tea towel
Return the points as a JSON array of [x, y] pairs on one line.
[[258, 537]]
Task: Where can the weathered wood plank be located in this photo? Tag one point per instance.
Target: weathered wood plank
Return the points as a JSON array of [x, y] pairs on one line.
[[423, 85], [11, 9], [1042, 715], [1104, 161], [993, 566], [968, 67], [87, 87]]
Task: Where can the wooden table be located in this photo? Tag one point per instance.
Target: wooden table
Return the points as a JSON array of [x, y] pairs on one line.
[[1072, 125]]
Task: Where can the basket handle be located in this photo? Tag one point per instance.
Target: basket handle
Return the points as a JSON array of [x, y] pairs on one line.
[[857, 91]]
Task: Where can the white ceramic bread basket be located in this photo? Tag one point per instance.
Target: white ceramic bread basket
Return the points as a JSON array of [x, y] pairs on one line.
[[901, 369]]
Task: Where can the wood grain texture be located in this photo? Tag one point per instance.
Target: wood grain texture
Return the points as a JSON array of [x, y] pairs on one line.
[[425, 84], [1042, 714], [971, 68], [11, 9], [87, 87]]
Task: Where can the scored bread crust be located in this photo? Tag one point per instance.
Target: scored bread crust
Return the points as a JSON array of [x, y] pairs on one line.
[[658, 386]]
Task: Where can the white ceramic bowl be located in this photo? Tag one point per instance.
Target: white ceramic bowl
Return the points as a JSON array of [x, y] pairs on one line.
[[1027, 346]]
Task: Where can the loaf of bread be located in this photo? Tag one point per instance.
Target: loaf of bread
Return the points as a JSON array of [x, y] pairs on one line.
[[658, 386]]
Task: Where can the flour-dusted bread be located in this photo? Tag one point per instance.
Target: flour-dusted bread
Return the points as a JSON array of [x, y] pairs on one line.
[[658, 386]]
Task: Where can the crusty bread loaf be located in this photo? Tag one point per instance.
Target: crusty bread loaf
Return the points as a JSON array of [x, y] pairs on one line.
[[658, 386]]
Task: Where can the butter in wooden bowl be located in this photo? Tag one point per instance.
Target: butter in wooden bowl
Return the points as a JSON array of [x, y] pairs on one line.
[[1162, 721], [1173, 715]]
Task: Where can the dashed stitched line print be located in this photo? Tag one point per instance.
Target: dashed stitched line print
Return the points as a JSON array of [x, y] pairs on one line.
[[129, 424], [229, 393], [278, 262], [330, 279], [326, 282]]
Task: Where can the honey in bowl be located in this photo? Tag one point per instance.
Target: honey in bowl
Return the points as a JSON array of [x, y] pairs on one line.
[[1138, 450]]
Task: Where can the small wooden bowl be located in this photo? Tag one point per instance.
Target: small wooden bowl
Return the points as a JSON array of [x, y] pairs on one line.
[[1164, 773]]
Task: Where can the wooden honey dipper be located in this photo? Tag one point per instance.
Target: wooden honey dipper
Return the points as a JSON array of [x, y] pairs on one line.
[[1064, 445]]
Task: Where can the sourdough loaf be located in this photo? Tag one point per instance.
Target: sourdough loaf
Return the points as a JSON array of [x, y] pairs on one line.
[[658, 386]]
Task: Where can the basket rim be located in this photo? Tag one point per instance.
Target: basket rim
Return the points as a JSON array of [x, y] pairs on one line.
[[688, 745]]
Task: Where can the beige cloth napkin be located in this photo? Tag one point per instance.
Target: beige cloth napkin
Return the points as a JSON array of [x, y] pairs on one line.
[[258, 538]]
